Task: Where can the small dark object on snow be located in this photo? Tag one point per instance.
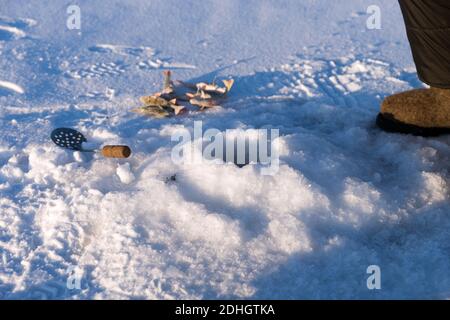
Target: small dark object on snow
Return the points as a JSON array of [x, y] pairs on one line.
[[68, 138], [71, 139], [172, 178]]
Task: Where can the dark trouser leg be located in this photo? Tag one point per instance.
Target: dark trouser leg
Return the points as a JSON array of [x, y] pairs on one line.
[[428, 27]]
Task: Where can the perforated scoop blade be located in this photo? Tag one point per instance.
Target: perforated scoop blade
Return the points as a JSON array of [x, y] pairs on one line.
[[68, 138]]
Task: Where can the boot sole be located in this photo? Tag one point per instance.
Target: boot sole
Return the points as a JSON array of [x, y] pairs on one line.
[[387, 123]]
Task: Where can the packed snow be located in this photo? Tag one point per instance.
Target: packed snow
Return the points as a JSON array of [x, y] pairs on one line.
[[75, 225]]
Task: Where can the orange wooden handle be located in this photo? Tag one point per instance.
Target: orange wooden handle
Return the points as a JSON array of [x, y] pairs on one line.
[[116, 151]]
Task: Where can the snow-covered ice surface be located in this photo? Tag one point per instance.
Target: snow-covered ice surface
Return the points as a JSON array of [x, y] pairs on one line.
[[346, 196]]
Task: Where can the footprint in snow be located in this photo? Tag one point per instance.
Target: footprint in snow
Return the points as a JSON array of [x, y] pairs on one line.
[[13, 29]]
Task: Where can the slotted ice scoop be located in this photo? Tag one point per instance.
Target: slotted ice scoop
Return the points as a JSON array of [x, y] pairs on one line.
[[71, 139]]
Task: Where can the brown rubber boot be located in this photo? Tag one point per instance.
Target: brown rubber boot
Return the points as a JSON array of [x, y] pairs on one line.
[[422, 112]]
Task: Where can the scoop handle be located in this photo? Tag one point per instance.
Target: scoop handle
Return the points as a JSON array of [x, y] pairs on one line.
[[116, 151]]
